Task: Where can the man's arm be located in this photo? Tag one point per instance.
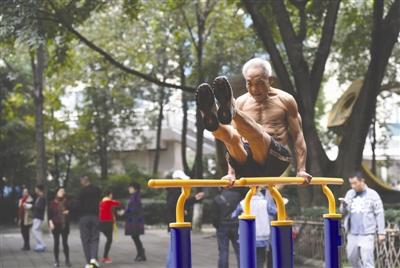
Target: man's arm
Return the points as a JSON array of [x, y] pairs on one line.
[[296, 131], [379, 215]]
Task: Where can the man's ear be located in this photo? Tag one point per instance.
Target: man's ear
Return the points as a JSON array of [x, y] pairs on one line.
[[272, 80]]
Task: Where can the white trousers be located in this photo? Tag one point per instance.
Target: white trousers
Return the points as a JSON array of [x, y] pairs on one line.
[[360, 250], [37, 234]]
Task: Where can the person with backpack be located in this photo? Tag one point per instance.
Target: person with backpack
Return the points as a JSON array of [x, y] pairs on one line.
[[226, 226]]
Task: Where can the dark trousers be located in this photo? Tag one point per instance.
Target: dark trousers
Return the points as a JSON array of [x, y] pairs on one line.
[[226, 233], [106, 227], [269, 257], [138, 244], [89, 229], [25, 235], [56, 237], [261, 257]]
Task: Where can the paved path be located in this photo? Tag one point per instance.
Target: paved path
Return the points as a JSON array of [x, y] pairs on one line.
[[204, 249]]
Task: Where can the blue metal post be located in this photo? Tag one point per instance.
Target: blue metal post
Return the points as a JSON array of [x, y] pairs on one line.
[[181, 247], [282, 246], [247, 241], [333, 242]]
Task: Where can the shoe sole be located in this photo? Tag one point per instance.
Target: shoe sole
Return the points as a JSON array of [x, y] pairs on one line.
[[223, 94], [205, 103]]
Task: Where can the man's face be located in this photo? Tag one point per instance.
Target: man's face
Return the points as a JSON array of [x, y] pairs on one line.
[[25, 193], [257, 83], [356, 184], [37, 191]]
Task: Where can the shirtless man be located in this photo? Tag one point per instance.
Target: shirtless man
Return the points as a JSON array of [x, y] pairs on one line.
[[262, 120]]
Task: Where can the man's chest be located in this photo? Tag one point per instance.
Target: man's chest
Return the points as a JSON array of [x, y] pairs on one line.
[[270, 113], [361, 204]]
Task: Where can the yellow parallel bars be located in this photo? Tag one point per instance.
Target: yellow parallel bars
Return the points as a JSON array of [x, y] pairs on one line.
[[271, 182]]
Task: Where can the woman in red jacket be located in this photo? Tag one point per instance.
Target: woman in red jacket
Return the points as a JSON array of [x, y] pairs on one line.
[[107, 219]]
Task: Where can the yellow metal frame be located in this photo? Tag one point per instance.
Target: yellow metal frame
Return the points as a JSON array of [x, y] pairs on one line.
[[331, 202], [271, 182], [246, 215]]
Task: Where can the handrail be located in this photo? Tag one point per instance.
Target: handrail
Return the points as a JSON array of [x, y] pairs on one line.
[[241, 182], [186, 186]]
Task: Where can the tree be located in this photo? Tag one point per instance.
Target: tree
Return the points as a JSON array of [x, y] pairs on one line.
[[308, 73], [27, 22]]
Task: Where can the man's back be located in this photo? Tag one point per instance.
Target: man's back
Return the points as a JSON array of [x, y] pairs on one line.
[[88, 200], [225, 203]]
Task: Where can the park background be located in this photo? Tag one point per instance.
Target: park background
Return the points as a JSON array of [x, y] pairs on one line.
[[106, 88]]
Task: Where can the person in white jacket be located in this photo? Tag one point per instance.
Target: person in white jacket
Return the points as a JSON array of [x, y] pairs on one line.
[[263, 207]]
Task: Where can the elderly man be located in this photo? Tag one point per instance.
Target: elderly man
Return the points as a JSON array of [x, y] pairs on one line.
[[262, 120], [364, 218]]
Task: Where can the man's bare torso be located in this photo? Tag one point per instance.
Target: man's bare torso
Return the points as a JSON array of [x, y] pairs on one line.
[[271, 114]]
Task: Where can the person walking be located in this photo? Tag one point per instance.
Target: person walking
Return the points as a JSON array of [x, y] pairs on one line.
[[262, 208], [58, 214], [134, 220], [88, 208], [363, 219], [25, 219], [107, 221], [226, 226], [38, 210]]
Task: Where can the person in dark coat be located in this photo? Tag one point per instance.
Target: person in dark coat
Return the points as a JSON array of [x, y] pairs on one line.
[[226, 226], [58, 214], [88, 208], [134, 220]]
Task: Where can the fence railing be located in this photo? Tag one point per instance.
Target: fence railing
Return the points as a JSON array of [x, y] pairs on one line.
[[309, 243]]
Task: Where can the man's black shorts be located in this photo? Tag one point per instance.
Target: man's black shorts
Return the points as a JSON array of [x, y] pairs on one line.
[[277, 161]]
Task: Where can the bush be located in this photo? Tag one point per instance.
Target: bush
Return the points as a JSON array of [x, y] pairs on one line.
[[392, 216]]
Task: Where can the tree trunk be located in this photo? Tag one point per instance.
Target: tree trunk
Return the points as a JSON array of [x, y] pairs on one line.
[[384, 36], [159, 130], [103, 150], [221, 161], [184, 133], [68, 170], [373, 145], [38, 68]]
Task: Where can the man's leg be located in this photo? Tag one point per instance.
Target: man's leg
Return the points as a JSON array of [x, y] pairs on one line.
[[94, 237], [255, 135], [261, 254], [223, 247], [353, 251], [367, 251], [234, 237], [232, 140], [37, 234], [85, 236]]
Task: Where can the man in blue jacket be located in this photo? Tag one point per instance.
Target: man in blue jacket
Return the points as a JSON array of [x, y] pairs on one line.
[[364, 218]]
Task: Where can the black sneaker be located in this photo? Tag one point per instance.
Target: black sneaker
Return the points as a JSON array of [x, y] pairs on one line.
[[223, 94], [206, 105]]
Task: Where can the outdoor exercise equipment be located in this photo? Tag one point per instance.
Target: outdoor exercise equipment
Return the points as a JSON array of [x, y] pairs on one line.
[[281, 229]]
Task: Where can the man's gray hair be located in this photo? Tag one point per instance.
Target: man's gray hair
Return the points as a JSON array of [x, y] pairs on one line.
[[257, 62]]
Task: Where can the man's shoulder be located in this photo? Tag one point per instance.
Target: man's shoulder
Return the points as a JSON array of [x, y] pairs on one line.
[[373, 193], [283, 95], [350, 192], [243, 97]]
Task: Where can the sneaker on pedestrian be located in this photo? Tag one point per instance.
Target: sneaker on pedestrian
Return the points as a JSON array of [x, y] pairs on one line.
[[94, 263], [106, 260]]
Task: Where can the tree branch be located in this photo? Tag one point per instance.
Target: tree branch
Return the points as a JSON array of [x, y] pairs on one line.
[[294, 49], [262, 27], [108, 57], [301, 6], [189, 29], [324, 47]]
